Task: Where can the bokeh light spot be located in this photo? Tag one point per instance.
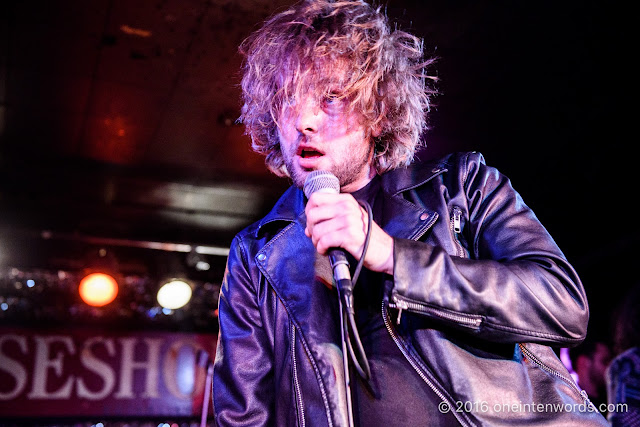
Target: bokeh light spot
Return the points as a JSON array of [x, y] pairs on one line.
[[98, 289]]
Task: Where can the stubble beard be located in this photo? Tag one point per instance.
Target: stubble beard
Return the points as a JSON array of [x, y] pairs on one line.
[[346, 170]]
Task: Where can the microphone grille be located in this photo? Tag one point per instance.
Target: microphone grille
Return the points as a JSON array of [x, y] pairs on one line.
[[321, 181]]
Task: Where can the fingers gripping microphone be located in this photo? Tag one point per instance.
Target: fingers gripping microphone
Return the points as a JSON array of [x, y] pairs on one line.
[[326, 182]]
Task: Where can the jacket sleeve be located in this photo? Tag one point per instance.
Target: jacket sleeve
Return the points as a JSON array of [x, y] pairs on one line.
[[517, 286], [623, 381], [243, 389]]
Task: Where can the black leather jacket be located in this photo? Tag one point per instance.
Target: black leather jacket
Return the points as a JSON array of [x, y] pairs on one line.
[[481, 286]]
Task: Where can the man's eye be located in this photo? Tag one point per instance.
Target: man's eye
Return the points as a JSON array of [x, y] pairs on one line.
[[333, 101]]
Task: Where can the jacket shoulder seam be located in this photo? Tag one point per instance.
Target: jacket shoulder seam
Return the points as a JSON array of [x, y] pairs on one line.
[[245, 258]]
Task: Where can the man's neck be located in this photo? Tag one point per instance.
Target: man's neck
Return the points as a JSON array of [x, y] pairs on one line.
[[361, 182]]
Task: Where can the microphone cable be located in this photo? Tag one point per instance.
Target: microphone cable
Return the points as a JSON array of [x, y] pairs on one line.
[[357, 353]]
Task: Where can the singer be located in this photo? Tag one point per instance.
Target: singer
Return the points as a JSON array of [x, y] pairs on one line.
[[462, 289]]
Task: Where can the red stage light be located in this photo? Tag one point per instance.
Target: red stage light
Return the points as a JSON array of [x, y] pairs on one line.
[[98, 289]]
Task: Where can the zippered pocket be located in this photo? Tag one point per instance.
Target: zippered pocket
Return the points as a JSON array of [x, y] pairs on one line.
[[455, 226], [472, 321], [539, 363], [422, 372]]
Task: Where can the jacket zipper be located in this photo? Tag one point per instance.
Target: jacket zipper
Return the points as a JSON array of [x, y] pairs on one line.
[[296, 383], [323, 392], [418, 368], [534, 359], [455, 224], [400, 303]]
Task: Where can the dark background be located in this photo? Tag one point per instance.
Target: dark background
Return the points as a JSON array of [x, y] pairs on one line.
[[117, 130]]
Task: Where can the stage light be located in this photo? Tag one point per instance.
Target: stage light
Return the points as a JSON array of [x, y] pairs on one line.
[[174, 294], [98, 289]]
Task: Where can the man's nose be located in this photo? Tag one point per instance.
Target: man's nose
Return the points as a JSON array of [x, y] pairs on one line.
[[308, 117]]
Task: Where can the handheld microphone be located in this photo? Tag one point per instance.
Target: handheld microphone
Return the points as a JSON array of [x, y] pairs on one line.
[[326, 182]]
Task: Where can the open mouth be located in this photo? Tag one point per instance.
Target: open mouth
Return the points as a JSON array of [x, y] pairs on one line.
[[307, 153]]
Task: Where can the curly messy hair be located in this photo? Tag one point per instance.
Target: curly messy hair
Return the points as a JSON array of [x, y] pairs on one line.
[[295, 54]]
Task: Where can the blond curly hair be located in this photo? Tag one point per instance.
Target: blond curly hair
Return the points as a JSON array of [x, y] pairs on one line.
[[294, 54]]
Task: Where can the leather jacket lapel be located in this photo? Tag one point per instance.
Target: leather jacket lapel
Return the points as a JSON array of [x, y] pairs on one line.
[[299, 275], [302, 279], [406, 220]]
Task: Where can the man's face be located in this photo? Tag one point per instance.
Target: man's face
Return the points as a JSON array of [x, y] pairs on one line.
[[325, 136]]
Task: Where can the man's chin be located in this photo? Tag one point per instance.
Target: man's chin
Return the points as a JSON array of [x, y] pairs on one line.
[[298, 177]]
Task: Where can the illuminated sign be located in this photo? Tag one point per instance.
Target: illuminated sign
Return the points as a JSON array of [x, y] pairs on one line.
[[87, 372]]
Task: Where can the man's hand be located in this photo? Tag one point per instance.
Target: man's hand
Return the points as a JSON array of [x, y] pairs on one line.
[[338, 221]]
